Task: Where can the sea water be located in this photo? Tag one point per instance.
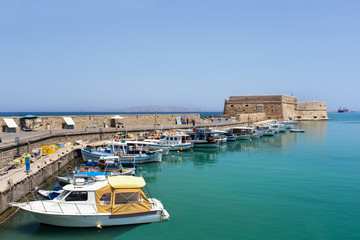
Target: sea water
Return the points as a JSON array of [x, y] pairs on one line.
[[290, 186]]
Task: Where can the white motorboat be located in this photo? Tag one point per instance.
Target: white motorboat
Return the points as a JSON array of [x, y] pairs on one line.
[[116, 200], [242, 133], [175, 142]]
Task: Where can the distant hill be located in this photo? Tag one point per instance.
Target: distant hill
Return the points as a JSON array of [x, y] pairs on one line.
[[161, 109]]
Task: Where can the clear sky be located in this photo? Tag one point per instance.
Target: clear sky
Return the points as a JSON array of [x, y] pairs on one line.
[[84, 55]]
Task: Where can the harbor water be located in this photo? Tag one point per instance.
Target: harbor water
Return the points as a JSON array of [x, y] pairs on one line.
[[290, 186]]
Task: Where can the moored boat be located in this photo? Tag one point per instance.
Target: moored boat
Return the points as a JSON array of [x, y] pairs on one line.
[[126, 150], [175, 142], [297, 130], [117, 200], [242, 133], [203, 138]]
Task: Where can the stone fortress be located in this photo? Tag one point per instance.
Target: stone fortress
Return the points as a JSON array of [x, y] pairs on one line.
[[273, 107]]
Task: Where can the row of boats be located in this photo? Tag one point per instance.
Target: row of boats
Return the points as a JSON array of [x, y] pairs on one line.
[[153, 148], [105, 192]]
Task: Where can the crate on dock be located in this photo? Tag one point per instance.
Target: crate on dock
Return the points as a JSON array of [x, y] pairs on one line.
[[60, 145]]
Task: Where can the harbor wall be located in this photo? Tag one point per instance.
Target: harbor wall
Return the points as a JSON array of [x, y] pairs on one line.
[[98, 121]]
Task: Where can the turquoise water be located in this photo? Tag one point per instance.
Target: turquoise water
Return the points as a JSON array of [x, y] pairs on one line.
[[291, 186]]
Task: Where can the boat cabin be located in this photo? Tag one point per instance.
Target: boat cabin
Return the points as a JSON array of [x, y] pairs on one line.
[[239, 131], [115, 195], [129, 147], [202, 134]]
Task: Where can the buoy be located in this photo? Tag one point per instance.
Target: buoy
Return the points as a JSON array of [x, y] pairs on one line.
[[178, 151], [99, 226]]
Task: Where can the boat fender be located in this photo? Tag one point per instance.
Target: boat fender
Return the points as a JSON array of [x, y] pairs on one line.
[[104, 196], [99, 226]]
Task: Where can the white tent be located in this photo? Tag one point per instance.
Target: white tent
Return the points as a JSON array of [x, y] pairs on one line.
[[10, 123], [117, 117], [69, 121]]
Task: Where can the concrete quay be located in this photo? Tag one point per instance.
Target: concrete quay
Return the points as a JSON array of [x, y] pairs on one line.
[[17, 183]]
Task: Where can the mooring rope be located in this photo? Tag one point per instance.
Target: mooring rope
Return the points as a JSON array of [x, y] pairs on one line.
[[10, 216]]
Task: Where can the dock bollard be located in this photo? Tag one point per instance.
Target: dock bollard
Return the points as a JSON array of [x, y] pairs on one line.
[[27, 164]]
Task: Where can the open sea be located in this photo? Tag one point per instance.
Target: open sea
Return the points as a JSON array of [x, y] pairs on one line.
[[290, 186]]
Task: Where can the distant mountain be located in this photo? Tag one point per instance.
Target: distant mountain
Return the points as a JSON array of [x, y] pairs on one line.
[[161, 109]]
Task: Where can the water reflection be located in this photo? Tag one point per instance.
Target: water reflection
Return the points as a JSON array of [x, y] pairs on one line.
[[149, 171], [203, 157]]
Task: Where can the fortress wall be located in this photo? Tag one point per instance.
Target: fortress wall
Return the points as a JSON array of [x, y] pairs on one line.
[[271, 105], [312, 111], [313, 106], [275, 107], [250, 117], [288, 111], [56, 122], [257, 98]]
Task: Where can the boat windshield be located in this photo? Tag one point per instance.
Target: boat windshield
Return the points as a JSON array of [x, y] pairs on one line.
[[62, 195]]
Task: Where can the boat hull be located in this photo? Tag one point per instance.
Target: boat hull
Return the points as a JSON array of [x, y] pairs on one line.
[[232, 138], [255, 136], [95, 220], [182, 147], [206, 144], [269, 134], [139, 158], [297, 130], [243, 137]]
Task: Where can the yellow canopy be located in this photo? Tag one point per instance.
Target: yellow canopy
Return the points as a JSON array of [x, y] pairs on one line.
[[126, 182], [122, 195]]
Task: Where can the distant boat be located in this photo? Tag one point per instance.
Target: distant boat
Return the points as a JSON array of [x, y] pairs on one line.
[[297, 130], [343, 110]]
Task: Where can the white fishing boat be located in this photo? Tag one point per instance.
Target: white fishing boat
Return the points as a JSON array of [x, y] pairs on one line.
[[242, 133], [269, 132], [175, 142], [255, 134], [126, 150], [117, 200], [230, 135], [220, 135]]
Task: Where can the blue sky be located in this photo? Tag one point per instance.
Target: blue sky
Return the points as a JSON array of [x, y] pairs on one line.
[[99, 55]]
